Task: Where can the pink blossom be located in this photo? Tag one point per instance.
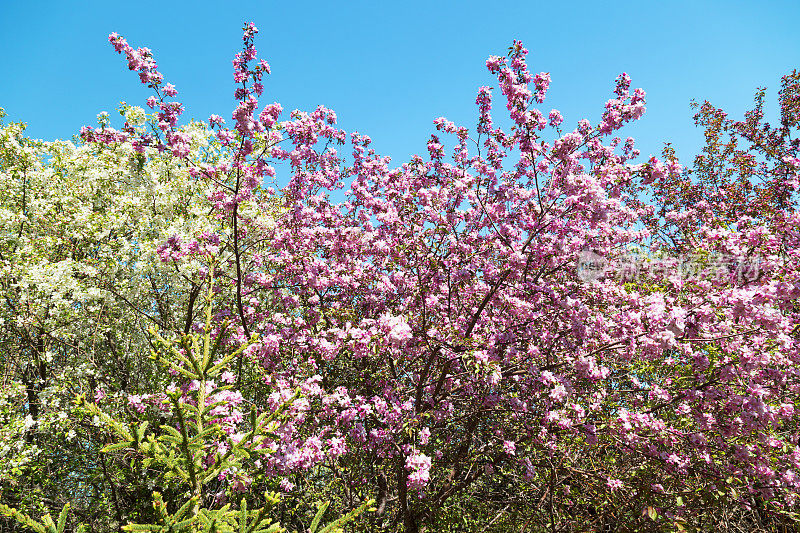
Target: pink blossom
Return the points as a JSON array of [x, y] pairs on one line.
[[509, 447], [419, 466]]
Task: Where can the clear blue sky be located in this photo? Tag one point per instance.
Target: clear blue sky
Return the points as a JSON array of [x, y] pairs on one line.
[[389, 68]]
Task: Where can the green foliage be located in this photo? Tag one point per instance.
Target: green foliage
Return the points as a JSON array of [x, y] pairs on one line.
[[46, 525]]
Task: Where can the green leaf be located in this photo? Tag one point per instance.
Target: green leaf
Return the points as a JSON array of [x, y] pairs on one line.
[[62, 518], [349, 517], [210, 430], [171, 430], [141, 527], [315, 523], [118, 446], [170, 438], [182, 524], [243, 516], [48, 521], [272, 528], [185, 508]]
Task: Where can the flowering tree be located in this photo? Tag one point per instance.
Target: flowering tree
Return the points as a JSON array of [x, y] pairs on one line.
[[452, 362], [746, 171]]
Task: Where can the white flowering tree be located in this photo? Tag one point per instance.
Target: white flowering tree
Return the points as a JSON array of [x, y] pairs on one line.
[[81, 281]]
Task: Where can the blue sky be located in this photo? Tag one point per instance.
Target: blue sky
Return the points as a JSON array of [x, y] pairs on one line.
[[389, 68]]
